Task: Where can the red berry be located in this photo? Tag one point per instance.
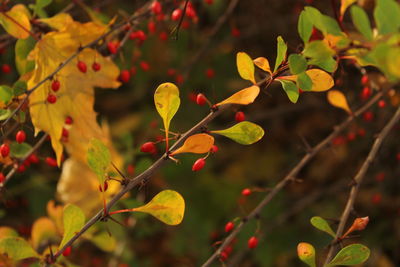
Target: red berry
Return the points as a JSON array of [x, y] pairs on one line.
[[179, 78], [171, 72], [235, 32], [96, 66], [223, 256], [364, 80], [148, 147], [361, 132], [2, 178], [185, 24], [68, 120], [130, 169], [55, 85], [145, 66], [380, 177], [33, 159], [201, 99], [351, 136], [214, 149], [104, 187], [141, 35], [239, 116], [316, 35], [133, 70], [4, 150], [176, 14], [368, 116], [81, 66], [66, 252], [210, 73], [125, 76], [252, 242], [381, 103], [52, 162], [209, 2], [339, 140], [163, 36], [199, 164], [366, 93], [112, 47], [21, 168], [398, 156], [190, 11], [5, 68], [246, 192], [192, 97], [376, 198], [229, 227], [156, 7], [151, 27], [51, 98], [64, 133], [20, 136]]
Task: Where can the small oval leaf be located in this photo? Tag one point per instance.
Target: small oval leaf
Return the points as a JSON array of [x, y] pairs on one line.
[[73, 219], [17, 248], [245, 66], [243, 97], [290, 89], [168, 206], [245, 133], [20, 14], [43, 230], [167, 101], [321, 80], [98, 158], [351, 255], [19, 150], [306, 253], [263, 64], [281, 52], [197, 143], [337, 99], [297, 64], [322, 225]]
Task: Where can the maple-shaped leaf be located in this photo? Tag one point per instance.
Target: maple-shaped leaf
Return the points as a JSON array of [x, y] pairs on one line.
[[75, 98]]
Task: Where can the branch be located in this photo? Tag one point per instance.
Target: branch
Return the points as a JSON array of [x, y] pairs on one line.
[[358, 178], [290, 176]]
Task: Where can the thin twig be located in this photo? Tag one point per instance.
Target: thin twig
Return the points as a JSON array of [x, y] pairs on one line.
[[290, 176], [358, 178]]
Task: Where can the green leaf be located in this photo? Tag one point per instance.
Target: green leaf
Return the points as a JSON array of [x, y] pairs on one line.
[[325, 24], [98, 158], [304, 82], [361, 21], [6, 94], [167, 101], [4, 114], [322, 225], [306, 253], [17, 248], [351, 255], [22, 48], [19, 88], [43, 3], [290, 89], [297, 64], [318, 50], [329, 64], [19, 150], [304, 27], [168, 206], [387, 16], [244, 133], [104, 241], [245, 66], [73, 219], [281, 52]]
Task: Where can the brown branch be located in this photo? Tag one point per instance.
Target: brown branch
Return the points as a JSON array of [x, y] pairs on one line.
[[290, 176], [358, 178]]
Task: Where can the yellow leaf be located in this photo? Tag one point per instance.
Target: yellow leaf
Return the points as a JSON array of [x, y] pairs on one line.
[[167, 101], [245, 66], [168, 206], [243, 97], [16, 21], [263, 64], [321, 80], [59, 21], [337, 99], [7, 232], [197, 143], [55, 212], [75, 97], [43, 230], [344, 5]]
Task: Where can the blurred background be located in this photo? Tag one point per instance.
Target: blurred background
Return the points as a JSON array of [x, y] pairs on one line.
[[200, 58]]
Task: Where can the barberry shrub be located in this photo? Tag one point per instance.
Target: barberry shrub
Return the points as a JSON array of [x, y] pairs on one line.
[[183, 139]]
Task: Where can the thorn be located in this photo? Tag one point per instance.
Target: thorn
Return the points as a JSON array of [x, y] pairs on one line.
[[120, 173], [306, 144], [116, 221]]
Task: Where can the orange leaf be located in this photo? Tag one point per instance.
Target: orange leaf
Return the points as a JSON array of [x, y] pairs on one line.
[[243, 97], [337, 99], [197, 143], [263, 64]]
